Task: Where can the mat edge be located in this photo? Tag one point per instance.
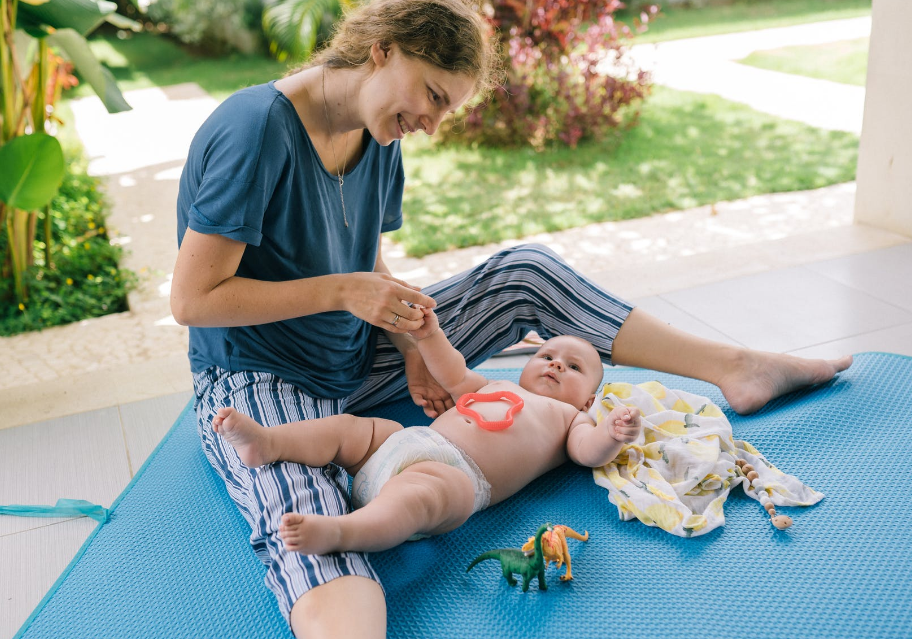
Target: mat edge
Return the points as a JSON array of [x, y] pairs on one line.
[[79, 554], [88, 542]]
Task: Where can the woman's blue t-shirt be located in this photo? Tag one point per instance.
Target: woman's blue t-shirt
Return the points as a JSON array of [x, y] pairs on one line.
[[253, 175]]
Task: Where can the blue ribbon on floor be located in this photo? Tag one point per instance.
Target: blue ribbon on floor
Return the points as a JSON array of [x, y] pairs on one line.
[[63, 508]]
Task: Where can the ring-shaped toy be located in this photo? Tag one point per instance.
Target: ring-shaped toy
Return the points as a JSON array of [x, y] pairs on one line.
[[506, 422]]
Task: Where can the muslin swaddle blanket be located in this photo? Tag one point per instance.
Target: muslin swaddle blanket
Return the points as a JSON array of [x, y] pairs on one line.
[[679, 472]]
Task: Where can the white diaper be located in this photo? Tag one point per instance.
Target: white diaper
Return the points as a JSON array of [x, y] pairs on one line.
[[410, 446]]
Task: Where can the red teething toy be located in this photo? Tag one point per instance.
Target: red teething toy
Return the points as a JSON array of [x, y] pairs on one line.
[[506, 422]]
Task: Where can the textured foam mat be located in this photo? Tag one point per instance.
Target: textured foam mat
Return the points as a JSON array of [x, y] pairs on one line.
[[173, 560]]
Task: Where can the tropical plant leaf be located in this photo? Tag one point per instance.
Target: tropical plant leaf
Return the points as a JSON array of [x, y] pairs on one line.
[[293, 27], [123, 22], [82, 15], [75, 48], [33, 169]]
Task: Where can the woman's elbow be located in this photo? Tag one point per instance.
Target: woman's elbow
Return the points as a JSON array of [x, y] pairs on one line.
[[182, 309]]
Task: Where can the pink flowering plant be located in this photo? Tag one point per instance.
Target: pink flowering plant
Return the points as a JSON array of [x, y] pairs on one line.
[[567, 76]]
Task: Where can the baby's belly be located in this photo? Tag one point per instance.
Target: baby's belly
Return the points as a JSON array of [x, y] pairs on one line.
[[509, 458]]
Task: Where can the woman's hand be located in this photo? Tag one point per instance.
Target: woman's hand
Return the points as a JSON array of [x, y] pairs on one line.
[[424, 389], [384, 301]]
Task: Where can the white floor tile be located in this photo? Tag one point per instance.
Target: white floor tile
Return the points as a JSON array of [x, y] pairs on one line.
[[885, 274], [787, 309], [146, 422], [897, 339], [671, 314], [76, 457], [32, 561]]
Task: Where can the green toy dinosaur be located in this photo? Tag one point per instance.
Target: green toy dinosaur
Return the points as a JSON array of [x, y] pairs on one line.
[[514, 560]]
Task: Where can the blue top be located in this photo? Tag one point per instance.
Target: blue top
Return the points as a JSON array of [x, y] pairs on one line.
[[253, 175]]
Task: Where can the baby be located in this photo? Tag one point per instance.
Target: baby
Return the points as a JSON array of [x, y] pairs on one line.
[[416, 482]]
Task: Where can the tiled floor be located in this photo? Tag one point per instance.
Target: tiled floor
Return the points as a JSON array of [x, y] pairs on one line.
[[852, 304]]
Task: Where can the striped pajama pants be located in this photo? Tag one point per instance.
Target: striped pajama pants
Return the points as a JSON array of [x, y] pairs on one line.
[[482, 311]]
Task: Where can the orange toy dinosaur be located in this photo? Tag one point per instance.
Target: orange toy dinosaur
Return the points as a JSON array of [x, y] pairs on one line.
[[554, 547]]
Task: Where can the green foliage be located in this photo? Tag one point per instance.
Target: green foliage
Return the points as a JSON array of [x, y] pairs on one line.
[[215, 26], [295, 28], [85, 279], [687, 150], [33, 169]]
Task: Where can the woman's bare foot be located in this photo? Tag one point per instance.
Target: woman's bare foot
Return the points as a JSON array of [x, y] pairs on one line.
[[310, 534], [760, 377], [249, 439]]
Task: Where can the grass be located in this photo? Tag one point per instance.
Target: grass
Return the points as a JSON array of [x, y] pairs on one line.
[[740, 15], [144, 60], [688, 150], [845, 61]]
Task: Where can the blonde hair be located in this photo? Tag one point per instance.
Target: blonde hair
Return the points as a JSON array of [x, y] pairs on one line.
[[449, 34]]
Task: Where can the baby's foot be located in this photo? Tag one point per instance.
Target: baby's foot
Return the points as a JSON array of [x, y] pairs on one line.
[[249, 439], [310, 534], [761, 377], [624, 423]]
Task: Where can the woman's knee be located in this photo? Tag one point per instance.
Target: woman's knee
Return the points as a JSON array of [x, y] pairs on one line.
[[532, 253], [349, 606]]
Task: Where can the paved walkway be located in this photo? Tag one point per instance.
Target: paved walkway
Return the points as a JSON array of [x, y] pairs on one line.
[[708, 65], [141, 353]]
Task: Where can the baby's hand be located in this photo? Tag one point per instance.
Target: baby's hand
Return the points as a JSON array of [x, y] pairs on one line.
[[624, 424], [430, 326]]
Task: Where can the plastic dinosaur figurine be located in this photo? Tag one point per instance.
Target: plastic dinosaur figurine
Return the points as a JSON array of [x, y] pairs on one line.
[[554, 547], [515, 561]]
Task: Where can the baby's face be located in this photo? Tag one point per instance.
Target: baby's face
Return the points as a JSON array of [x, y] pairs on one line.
[[564, 368]]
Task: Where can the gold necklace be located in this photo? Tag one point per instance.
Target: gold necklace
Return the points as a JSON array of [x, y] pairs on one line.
[[333, 146]]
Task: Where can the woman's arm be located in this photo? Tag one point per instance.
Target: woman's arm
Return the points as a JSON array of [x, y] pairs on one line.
[[205, 290], [423, 388]]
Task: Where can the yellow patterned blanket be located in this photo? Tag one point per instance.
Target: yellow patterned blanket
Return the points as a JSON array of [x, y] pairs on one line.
[[679, 472]]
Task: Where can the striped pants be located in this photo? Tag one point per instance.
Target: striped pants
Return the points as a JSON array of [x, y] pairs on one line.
[[482, 311]]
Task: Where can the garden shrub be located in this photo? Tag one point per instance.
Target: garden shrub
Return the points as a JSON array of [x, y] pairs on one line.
[[85, 279], [568, 77], [215, 26]]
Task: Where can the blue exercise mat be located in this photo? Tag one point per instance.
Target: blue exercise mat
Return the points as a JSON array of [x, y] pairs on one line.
[[173, 559]]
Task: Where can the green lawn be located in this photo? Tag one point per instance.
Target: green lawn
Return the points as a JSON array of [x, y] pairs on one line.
[[145, 60], [845, 61], [741, 15], [688, 150]]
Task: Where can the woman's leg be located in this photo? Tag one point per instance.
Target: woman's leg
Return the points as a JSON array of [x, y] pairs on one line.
[[264, 494], [748, 379], [529, 287]]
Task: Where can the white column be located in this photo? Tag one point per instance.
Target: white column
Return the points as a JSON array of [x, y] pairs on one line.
[[884, 196]]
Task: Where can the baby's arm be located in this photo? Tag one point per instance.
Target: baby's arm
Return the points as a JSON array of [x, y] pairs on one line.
[[594, 445], [444, 362]]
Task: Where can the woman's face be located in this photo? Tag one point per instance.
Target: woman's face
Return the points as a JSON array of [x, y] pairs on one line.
[[404, 95]]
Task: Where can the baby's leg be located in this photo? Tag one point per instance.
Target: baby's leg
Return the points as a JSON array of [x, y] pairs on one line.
[[342, 439], [428, 497]]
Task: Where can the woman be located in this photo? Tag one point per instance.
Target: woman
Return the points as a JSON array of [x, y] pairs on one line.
[[294, 315]]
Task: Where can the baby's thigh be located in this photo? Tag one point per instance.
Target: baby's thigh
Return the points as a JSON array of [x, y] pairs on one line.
[[444, 490]]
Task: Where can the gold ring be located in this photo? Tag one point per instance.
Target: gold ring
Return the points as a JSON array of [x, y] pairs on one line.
[[396, 320]]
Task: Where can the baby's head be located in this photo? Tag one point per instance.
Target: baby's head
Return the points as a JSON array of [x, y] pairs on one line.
[[565, 368]]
